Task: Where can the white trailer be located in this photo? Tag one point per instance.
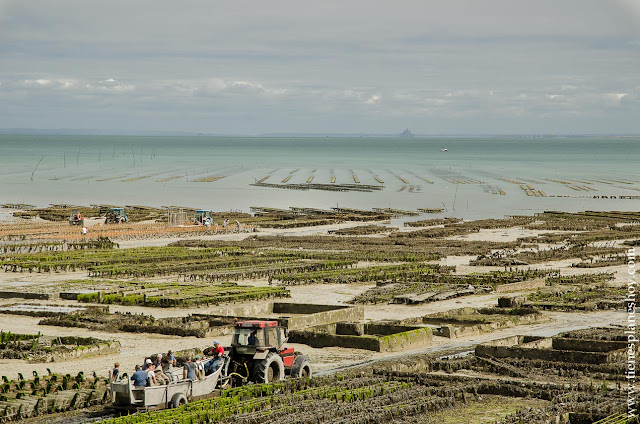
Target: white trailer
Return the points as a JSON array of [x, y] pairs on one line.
[[125, 396]]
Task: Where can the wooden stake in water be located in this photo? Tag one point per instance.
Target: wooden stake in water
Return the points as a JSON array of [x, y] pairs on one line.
[[455, 196], [34, 171]]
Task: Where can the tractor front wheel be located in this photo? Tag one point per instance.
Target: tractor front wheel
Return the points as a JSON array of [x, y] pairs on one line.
[[301, 367], [269, 370]]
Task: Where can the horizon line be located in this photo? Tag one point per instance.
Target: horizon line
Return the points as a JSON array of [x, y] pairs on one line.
[[124, 132]]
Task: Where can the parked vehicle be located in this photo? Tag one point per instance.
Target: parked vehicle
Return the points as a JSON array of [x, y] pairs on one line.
[[76, 218], [201, 217], [114, 215]]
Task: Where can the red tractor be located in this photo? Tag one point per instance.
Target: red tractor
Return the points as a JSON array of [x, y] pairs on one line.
[[257, 354]]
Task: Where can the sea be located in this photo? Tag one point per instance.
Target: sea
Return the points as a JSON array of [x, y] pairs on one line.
[[467, 177]]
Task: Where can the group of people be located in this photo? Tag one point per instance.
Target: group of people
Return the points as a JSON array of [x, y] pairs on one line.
[[151, 372], [155, 373], [225, 224]]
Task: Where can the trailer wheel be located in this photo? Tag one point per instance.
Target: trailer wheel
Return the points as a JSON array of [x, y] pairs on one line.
[[301, 367], [269, 370], [178, 400], [121, 220]]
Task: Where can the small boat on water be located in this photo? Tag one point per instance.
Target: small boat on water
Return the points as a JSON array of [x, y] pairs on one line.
[[444, 149]]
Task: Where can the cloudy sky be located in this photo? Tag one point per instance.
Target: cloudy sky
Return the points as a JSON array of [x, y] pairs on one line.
[[250, 67]]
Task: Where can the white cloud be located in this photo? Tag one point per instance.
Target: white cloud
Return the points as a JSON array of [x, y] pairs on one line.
[[109, 86], [613, 99], [50, 83], [375, 99]]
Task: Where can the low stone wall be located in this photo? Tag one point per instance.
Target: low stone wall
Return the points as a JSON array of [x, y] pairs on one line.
[[293, 316], [328, 314], [511, 302], [23, 295], [393, 339], [587, 345], [542, 354], [470, 321], [303, 308], [334, 340], [346, 328], [546, 349], [405, 340]]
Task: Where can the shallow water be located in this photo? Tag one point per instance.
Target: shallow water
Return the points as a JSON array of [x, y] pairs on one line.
[[161, 171]]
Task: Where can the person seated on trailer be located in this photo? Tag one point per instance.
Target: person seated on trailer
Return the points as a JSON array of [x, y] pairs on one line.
[[139, 377], [189, 370], [217, 360], [146, 364], [199, 368], [151, 376], [161, 377], [158, 362]]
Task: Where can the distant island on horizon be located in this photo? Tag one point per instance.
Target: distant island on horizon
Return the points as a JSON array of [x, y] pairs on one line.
[[407, 133]]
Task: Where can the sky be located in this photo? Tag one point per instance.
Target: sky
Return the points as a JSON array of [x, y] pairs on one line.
[[361, 66]]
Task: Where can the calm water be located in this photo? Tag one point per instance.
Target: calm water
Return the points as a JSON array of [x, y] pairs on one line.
[[162, 171]]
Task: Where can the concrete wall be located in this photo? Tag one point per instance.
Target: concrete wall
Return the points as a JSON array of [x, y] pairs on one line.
[[511, 302], [326, 340], [546, 349], [542, 354], [343, 314], [406, 340], [385, 329], [513, 340], [392, 342], [470, 321], [587, 345], [23, 295], [293, 316], [349, 328], [303, 308]]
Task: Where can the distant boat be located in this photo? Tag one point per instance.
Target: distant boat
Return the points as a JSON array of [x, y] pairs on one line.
[[444, 149]]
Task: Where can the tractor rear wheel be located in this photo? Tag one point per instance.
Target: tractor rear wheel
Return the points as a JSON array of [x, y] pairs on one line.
[[269, 370], [301, 367]]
